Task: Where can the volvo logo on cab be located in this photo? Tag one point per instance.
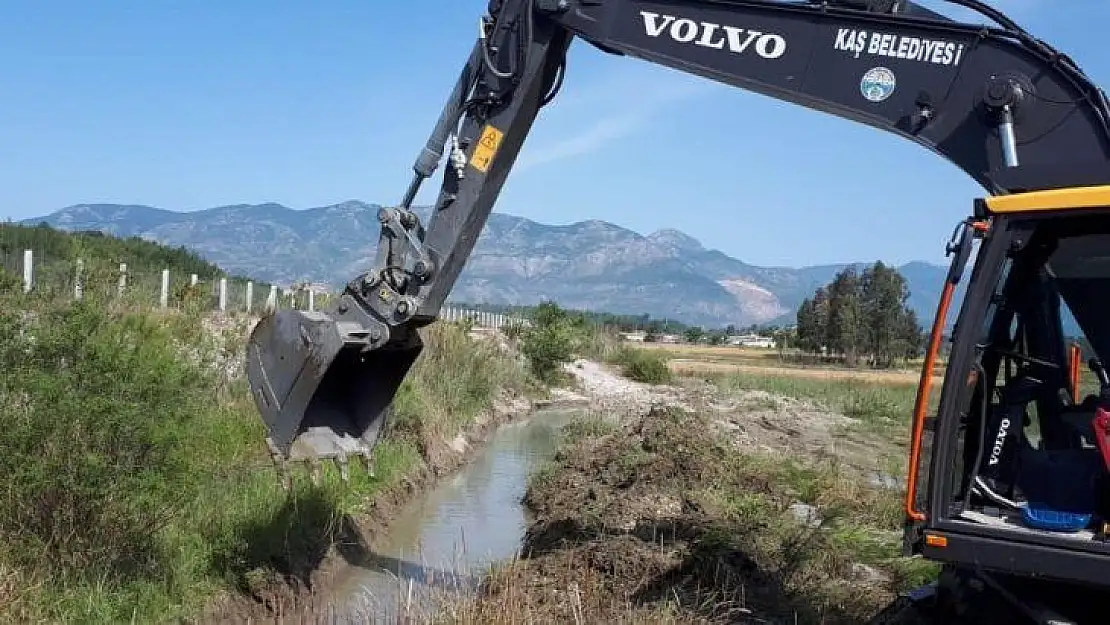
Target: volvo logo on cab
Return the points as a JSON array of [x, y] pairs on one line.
[[717, 36]]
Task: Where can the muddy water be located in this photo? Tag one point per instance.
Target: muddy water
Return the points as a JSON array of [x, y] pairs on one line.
[[442, 543]]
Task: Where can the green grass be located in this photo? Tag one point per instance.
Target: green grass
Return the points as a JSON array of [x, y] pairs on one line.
[[456, 378], [642, 365], [137, 483]]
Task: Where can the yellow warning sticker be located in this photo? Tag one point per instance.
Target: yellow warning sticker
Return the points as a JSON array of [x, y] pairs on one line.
[[486, 148]]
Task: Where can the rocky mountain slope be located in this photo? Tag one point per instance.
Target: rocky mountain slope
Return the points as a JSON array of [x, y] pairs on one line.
[[593, 264]]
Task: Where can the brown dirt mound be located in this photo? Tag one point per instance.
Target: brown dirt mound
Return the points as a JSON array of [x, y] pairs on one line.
[[664, 521]]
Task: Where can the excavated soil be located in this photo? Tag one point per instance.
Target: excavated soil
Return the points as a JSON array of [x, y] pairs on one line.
[[705, 507]]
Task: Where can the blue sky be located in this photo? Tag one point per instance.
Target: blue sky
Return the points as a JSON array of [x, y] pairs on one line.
[[193, 105]]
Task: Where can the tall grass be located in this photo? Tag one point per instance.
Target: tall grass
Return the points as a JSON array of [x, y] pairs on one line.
[[641, 365], [455, 379], [137, 484]]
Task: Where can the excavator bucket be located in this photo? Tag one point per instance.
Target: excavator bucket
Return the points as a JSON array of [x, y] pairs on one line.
[[321, 395]]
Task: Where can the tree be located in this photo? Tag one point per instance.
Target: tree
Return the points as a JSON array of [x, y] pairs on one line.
[[861, 316], [550, 342], [810, 332], [845, 320], [694, 334], [884, 294]]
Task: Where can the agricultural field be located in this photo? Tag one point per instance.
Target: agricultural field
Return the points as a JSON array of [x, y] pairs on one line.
[[717, 359]]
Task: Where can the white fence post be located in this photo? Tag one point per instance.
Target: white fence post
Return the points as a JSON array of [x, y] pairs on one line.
[[271, 299], [193, 280], [250, 294], [164, 300], [223, 294], [122, 278], [28, 270], [78, 284], [311, 300]]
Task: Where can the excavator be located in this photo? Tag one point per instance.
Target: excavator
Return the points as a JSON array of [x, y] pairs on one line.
[[1007, 489]]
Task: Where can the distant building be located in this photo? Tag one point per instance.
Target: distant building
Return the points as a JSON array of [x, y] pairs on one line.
[[637, 337], [752, 340]]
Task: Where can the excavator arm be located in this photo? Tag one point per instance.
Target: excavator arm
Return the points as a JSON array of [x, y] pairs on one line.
[[1004, 107]]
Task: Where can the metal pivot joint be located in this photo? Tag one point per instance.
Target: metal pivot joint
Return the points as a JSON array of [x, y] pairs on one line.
[[1004, 97]]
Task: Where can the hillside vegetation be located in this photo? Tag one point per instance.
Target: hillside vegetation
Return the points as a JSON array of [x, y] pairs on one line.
[[56, 252], [137, 484]]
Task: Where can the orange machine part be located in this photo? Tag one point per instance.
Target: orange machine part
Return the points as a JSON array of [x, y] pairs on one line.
[[924, 388], [1073, 370]]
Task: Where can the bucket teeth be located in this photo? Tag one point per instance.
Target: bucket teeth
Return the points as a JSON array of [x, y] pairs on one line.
[[312, 454]]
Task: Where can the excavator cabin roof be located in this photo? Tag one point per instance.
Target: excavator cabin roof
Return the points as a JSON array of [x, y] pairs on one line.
[[1072, 198]]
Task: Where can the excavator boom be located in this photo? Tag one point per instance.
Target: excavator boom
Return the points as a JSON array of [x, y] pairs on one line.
[[1004, 107]]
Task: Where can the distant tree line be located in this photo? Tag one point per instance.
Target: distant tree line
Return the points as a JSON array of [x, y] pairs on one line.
[[861, 318], [652, 327], [51, 244], [615, 321]]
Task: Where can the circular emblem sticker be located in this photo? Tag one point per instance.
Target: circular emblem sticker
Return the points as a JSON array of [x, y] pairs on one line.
[[877, 84]]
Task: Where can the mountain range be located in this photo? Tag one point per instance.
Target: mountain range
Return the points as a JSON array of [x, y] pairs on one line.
[[593, 265]]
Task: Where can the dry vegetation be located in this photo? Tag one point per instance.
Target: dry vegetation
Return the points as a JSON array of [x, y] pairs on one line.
[[715, 359]]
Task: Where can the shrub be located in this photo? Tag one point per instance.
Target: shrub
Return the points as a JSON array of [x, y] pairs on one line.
[[513, 330], [602, 344], [9, 282], [550, 342], [136, 480], [92, 423], [641, 365]]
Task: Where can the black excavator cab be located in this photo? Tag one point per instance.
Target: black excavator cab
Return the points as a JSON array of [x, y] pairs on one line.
[[1010, 481]]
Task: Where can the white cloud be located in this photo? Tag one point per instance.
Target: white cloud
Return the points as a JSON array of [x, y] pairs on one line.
[[596, 117]]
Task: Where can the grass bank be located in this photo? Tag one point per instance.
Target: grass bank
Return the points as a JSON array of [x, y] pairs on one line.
[[137, 483]]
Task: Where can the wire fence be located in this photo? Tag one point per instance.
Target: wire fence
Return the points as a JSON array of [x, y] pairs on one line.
[[165, 289]]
